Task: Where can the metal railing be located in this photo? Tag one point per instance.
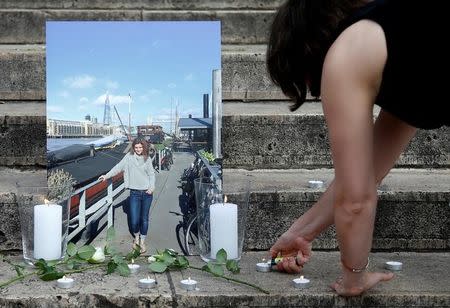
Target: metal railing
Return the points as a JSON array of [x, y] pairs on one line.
[[96, 210]]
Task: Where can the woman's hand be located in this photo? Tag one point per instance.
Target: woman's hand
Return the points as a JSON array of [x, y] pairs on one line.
[[353, 284], [149, 191], [294, 249], [102, 178]]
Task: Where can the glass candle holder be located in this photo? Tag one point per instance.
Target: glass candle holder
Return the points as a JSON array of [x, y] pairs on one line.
[[221, 219], [44, 220]]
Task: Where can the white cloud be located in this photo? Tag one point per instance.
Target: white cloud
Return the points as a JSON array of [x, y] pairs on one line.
[[84, 100], [172, 85], [113, 99], [82, 107], [79, 82], [189, 77], [112, 85], [53, 108], [64, 94]]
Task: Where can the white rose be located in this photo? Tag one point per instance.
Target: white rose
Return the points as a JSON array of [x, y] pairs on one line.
[[99, 255], [151, 259]]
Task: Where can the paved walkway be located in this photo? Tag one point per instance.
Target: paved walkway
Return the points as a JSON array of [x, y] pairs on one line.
[[165, 212]]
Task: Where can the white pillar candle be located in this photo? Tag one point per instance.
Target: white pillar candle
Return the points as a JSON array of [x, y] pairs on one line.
[[47, 231], [224, 229]]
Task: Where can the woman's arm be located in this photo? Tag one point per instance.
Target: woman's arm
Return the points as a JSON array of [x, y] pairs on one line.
[[116, 169], [351, 77], [151, 174]]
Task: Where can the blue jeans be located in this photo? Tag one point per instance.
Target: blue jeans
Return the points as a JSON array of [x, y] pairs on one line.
[[140, 203]]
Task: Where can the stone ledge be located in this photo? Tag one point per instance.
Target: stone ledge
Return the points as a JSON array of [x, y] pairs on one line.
[[241, 26], [270, 136], [22, 133], [140, 4], [423, 282], [413, 209]]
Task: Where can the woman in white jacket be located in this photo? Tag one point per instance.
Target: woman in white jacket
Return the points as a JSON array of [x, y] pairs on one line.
[[139, 178]]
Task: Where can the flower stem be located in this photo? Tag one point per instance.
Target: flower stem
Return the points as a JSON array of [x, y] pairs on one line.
[[84, 268], [235, 280], [6, 283]]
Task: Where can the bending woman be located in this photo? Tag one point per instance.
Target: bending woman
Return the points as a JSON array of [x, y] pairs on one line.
[[139, 178], [354, 54]]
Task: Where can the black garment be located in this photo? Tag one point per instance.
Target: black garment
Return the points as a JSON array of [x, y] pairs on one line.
[[415, 83]]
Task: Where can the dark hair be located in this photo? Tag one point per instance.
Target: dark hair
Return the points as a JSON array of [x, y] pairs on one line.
[[144, 147], [301, 34]]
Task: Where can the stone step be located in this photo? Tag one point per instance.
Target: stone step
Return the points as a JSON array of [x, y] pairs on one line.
[[239, 26], [268, 135], [423, 282], [141, 4], [413, 207], [10, 238], [22, 133]]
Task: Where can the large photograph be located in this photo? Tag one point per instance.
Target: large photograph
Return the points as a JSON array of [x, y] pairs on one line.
[[132, 119]]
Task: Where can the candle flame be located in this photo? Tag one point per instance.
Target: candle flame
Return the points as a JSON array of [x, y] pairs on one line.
[[264, 260], [132, 261], [225, 199], [64, 277], [301, 277], [148, 277], [189, 279], [46, 202]]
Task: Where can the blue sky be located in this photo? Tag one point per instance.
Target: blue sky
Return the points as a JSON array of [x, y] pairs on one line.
[[161, 64]]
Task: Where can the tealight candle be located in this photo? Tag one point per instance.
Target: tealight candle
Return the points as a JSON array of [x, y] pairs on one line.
[[300, 283], [263, 266], [147, 283], [315, 184], [394, 265], [188, 284], [65, 282], [134, 268]]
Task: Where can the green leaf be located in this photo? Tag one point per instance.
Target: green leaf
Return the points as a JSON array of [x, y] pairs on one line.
[[206, 268], [167, 258], [158, 267], [123, 269], [70, 264], [215, 269], [110, 234], [136, 252], [52, 262], [110, 250], [19, 270], [41, 264], [221, 256], [233, 266], [52, 275], [86, 252], [71, 249], [111, 267], [182, 262], [171, 252], [118, 260]]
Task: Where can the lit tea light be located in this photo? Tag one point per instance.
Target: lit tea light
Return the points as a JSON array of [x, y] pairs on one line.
[[315, 184], [394, 265], [300, 283], [147, 283], [263, 266], [134, 268], [188, 284], [65, 282]]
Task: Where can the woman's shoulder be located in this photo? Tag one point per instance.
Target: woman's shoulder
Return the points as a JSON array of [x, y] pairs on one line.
[[360, 48]]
